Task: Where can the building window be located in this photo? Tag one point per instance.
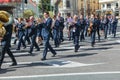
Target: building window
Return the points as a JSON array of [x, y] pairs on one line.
[[68, 4], [108, 5], [103, 5], [116, 5], [116, 13]]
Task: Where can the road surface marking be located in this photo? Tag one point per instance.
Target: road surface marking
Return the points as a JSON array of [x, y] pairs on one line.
[[60, 75], [69, 64], [57, 64]]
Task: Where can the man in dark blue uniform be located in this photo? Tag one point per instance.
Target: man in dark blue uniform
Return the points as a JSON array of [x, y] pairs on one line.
[[114, 27], [98, 26], [82, 23], [33, 35], [27, 31], [106, 21], [20, 26], [6, 45], [61, 20], [56, 28], [46, 36], [76, 32], [93, 21]]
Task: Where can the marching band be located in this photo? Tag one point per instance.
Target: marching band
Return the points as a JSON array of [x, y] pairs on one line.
[[38, 31]]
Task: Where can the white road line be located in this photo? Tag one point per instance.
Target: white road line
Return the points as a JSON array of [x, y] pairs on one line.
[[59, 75], [118, 41]]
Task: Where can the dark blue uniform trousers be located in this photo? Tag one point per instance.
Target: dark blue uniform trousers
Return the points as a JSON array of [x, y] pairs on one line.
[[47, 46], [34, 44], [93, 34], [21, 41], [56, 37], [6, 49], [105, 30]]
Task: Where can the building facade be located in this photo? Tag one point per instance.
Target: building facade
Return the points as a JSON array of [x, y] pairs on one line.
[[110, 7], [88, 6], [72, 7], [68, 7]]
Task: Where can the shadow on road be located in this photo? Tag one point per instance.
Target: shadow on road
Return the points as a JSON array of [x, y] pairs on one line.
[[102, 48], [3, 71], [78, 55], [109, 44]]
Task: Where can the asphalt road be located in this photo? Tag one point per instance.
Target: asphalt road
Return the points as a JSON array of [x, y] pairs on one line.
[[89, 63], [70, 77]]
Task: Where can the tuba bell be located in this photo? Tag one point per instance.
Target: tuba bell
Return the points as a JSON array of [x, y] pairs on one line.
[[4, 19]]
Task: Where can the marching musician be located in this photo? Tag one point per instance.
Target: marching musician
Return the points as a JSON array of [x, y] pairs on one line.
[[33, 35], [114, 26], [6, 38], [56, 28], [76, 32], [82, 23], [20, 29], [93, 22]]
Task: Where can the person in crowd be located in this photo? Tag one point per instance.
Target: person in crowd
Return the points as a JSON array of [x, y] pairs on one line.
[[106, 21], [56, 28], [98, 26], [61, 21], [46, 36], [69, 21], [87, 25], [39, 31], [33, 35], [93, 27], [76, 32], [20, 29], [5, 41], [27, 30], [82, 24], [114, 27]]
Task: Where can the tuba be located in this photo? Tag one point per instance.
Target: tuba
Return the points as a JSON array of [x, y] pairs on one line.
[[4, 19]]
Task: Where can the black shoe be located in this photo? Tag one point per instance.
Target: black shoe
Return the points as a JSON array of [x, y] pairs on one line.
[[38, 50], [13, 64], [78, 46], [41, 44], [24, 47], [76, 50], [54, 55], [43, 59], [29, 43], [30, 52], [0, 67], [17, 49], [92, 45]]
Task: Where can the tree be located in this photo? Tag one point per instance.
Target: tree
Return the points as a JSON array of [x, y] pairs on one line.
[[27, 13], [45, 5]]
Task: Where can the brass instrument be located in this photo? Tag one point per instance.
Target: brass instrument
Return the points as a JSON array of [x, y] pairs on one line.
[[90, 28], [4, 19]]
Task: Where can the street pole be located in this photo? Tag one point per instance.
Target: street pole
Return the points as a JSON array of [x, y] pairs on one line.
[[84, 8], [22, 6], [37, 3]]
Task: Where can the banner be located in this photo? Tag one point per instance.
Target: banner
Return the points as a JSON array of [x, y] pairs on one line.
[[8, 1]]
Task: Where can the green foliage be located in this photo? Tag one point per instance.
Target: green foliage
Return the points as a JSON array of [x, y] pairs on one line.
[[27, 13], [45, 5]]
